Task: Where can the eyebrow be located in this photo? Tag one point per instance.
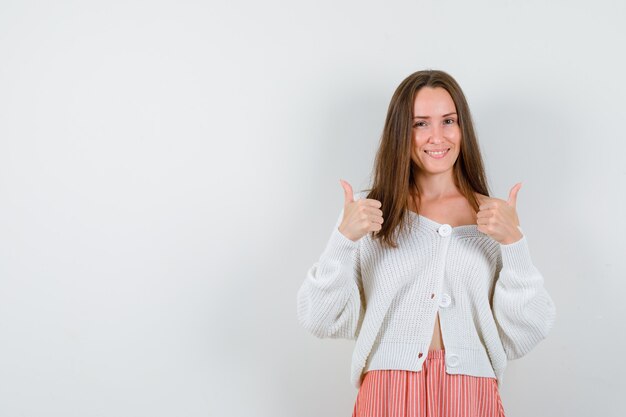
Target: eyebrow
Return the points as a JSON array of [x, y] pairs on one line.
[[428, 117]]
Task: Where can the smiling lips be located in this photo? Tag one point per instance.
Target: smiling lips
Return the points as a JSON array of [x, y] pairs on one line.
[[438, 154]]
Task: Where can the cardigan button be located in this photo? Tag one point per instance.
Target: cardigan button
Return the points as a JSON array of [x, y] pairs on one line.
[[444, 230], [445, 300], [452, 360]]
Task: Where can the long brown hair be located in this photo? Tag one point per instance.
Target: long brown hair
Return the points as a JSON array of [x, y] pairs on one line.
[[394, 170]]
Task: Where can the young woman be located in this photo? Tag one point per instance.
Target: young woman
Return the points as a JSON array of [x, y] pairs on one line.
[[430, 275]]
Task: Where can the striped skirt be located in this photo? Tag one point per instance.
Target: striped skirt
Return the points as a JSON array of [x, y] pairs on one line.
[[429, 393]]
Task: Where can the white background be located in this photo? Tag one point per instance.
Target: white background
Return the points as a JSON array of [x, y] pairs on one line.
[[169, 170]]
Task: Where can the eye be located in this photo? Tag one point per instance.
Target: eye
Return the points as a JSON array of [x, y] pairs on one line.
[[419, 124], [451, 120]]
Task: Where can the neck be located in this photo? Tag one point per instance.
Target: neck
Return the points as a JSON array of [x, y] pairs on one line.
[[436, 186]]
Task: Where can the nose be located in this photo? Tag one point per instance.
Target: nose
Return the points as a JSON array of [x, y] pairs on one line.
[[436, 134]]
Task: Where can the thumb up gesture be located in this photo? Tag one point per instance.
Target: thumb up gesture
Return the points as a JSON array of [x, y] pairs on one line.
[[359, 217], [498, 218]]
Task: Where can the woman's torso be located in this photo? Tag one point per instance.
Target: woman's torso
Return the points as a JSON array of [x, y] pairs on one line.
[[455, 211]]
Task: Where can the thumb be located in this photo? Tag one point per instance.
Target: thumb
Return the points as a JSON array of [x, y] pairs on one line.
[[513, 194], [347, 192]]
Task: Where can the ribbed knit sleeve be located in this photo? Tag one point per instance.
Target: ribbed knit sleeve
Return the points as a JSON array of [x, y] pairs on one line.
[[330, 301], [523, 309]]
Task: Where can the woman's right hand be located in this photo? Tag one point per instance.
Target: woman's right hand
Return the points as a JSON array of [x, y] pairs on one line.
[[359, 217]]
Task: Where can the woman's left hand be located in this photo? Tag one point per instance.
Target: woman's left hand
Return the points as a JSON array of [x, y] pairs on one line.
[[498, 219]]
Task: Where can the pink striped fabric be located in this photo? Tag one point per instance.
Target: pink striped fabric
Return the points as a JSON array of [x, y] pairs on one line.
[[429, 393]]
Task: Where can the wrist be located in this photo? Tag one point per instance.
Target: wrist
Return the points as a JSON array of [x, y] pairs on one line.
[[513, 238], [346, 235]]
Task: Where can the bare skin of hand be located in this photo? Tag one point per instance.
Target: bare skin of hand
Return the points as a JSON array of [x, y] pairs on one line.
[[359, 217], [498, 219]]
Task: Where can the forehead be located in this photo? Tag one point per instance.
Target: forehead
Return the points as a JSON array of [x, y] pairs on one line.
[[433, 102]]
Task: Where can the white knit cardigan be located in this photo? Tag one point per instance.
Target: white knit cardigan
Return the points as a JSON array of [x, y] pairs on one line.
[[491, 301]]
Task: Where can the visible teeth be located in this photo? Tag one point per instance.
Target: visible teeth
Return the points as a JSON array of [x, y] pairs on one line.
[[437, 153]]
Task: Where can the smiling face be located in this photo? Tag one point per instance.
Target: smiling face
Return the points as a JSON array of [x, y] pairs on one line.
[[436, 131]]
